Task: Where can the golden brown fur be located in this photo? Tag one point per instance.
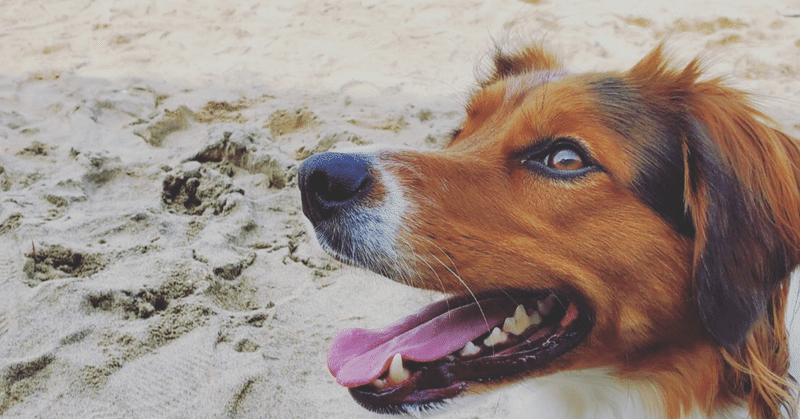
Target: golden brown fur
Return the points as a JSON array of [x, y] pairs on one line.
[[661, 273]]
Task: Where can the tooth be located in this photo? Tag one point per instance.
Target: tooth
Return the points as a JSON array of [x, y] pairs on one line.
[[521, 316], [497, 336], [545, 306], [397, 373], [536, 318], [517, 324], [379, 384], [470, 349], [510, 326]]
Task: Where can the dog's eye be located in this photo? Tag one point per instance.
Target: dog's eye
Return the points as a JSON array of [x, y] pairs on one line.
[[565, 159], [561, 158]]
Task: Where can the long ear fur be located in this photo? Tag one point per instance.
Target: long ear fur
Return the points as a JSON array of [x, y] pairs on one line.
[[742, 190]]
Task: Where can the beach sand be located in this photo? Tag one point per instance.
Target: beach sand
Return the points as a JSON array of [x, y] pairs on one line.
[[155, 260]]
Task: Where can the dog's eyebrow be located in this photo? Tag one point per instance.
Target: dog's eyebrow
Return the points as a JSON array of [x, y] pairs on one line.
[[519, 86]]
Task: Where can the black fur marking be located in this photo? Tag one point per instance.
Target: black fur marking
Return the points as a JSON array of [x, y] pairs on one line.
[[656, 135], [743, 259]]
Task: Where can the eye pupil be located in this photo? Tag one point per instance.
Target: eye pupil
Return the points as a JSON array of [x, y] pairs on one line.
[[565, 159]]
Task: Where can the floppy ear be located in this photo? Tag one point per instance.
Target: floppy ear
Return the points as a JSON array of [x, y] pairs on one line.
[[531, 58], [742, 191]]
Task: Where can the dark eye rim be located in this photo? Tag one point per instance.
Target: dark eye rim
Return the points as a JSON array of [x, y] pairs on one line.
[[533, 159]]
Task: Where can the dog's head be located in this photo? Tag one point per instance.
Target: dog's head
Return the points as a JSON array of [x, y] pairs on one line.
[[645, 221]]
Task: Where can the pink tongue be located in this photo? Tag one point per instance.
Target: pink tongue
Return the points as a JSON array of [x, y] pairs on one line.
[[358, 356]]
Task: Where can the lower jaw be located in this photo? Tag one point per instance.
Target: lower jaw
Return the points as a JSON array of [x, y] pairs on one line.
[[405, 400]]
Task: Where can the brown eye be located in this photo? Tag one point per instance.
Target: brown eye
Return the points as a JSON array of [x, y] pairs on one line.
[[559, 158], [565, 159]]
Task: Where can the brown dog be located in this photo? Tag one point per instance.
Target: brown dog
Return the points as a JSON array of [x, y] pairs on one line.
[[645, 222]]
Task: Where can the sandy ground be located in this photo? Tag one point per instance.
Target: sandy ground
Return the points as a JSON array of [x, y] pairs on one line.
[[155, 261]]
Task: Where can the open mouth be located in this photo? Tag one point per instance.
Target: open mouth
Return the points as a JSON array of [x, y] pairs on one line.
[[436, 354]]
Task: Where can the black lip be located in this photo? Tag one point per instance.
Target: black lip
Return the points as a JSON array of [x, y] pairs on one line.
[[432, 383]]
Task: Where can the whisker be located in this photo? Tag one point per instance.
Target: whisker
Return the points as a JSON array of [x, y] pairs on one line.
[[419, 258], [455, 275]]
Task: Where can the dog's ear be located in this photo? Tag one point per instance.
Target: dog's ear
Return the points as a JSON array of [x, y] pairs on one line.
[[742, 190], [532, 58]]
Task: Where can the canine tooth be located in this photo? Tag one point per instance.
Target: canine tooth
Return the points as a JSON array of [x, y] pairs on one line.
[[470, 349], [379, 384], [517, 324], [545, 306], [536, 318], [397, 373], [497, 336]]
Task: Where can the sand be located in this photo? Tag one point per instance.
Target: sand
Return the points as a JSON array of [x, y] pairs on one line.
[[155, 261]]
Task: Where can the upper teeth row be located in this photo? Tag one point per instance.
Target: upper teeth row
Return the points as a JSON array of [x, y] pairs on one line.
[[515, 325]]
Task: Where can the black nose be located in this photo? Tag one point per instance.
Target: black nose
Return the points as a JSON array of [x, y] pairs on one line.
[[331, 182]]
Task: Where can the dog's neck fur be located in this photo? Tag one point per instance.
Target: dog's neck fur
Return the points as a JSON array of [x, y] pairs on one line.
[[594, 393]]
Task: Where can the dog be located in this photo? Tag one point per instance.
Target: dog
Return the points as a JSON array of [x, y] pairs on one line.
[[642, 223]]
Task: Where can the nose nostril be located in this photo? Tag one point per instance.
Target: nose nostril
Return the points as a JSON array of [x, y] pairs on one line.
[[336, 188], [318, 183]]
